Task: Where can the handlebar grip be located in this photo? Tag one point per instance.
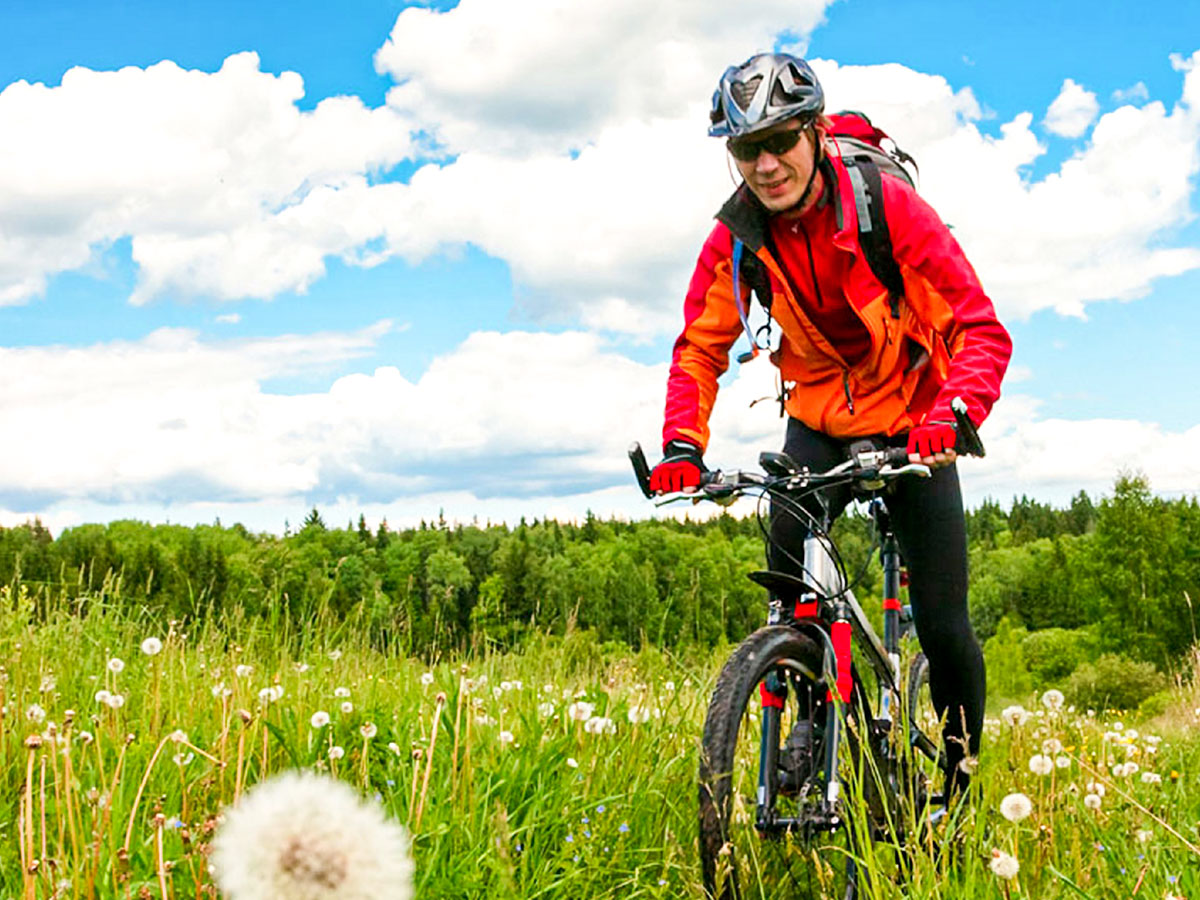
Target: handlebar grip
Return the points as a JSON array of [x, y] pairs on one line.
[[968, 435], [640, 468], [897, 456]]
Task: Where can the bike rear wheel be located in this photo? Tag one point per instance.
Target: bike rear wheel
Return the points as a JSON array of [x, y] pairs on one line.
[[924, 760], [741, 858]]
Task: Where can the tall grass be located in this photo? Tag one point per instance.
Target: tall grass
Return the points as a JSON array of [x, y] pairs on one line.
[[560, 771]]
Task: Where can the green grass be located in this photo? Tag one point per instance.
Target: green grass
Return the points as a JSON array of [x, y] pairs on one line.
[[556, 812]]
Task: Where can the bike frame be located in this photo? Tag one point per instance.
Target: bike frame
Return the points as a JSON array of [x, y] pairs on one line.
[[838, 618]]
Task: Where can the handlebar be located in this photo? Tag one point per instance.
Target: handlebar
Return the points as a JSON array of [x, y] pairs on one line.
[[865, 464]]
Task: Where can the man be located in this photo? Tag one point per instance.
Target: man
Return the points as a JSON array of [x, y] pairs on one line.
[[853, 364]]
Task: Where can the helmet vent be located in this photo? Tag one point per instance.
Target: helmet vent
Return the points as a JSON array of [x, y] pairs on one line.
[[743, 91]]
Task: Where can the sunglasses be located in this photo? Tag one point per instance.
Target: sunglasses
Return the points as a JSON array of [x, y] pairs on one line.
[[746, 150]]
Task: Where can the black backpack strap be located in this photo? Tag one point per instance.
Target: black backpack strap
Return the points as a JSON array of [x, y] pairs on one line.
[[873, 234], [754, 274]]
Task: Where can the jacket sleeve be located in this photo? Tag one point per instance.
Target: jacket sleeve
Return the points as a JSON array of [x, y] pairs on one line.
[[711, 325], [954, 304]]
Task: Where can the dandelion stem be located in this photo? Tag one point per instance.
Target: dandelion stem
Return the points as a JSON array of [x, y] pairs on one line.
[[437, 718], [158, 859], [28, 844], [42, 811], [137, 799]]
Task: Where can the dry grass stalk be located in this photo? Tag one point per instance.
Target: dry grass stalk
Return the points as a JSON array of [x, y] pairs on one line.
[[437, 718]]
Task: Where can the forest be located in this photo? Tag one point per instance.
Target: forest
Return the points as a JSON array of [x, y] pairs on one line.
[[1116, 574]]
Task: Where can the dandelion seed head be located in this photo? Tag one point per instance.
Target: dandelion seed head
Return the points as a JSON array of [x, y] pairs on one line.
[[572, 763], [307, 837], [341, 692], [102, 696], [49, 683], [1015, 807], [347, 707], [151, 646], [581, 710], [427, 679], [337, 751], [1051, 746], [600, 725], [335, 655], [1014, 715], [1151, 778], [35, 714], [115, 701], [1062, 761], [1053, 699], [505, 737], [1143, 835], [1040, 764], [243, 670], [638, 714], [368, 730], [179, 736], [116, 665], [546, 710], [1003, 865], [1092, 801]]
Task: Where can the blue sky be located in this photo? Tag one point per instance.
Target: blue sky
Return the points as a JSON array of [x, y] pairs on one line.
[[456, 287]]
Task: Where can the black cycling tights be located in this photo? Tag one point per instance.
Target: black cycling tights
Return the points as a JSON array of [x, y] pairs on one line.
[[927, 516]]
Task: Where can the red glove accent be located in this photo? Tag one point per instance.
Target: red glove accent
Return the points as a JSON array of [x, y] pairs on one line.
[[929, 440], [668, 477]]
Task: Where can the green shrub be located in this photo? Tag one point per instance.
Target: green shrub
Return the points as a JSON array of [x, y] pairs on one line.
[[1054, 653], [1113, 682], [1005, 659], [1156, 704]]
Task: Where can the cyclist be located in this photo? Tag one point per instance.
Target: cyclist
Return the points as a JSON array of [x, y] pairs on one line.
[[851, 365]]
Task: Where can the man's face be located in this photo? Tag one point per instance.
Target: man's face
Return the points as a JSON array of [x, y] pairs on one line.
[[778, 180]]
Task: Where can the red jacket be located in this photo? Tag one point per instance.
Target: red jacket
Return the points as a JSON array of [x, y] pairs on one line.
[[946, 341]]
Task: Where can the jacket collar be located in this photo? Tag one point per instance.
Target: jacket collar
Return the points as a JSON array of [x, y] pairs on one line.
[[747, 219]]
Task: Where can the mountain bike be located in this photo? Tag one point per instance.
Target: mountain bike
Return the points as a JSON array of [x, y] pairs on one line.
[[798, 766]]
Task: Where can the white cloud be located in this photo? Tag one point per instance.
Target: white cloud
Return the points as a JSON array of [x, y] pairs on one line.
[[226, 188], [526, 75], [229, 318], [1073, 110], [1135, 93]]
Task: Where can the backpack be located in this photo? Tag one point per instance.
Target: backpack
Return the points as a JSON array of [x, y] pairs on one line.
[[865, 156]]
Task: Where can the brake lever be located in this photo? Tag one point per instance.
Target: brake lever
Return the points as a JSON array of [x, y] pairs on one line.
[[908, 469]]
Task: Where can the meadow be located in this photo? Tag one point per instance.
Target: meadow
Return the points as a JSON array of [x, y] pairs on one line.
[[565, 769]]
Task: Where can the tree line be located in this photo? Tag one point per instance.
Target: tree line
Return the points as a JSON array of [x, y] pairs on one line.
[[1126, 568]]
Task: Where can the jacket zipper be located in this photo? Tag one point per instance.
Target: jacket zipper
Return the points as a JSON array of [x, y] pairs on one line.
[[846, 388]]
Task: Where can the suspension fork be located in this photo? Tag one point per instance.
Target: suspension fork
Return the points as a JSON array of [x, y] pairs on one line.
[[773, 693], [889, 555]]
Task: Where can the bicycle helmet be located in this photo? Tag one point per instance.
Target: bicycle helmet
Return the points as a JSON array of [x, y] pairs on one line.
[[765, 89]]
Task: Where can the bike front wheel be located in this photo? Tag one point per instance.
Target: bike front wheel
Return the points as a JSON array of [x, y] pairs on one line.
[[781, 846]]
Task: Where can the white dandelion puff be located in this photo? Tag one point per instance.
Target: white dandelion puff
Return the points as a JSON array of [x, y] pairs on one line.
[[368, 730], [580, 710], [116, 665], [600, 725], [1053, 699], [1062, 761], [243, 671], [638, 714], [1004, 865], [1092, 801], [1051, 746], [102, 696], [341, 692], [347, 707], [572, 763], [337, 751], [427, 679], [49, 683], [669, 686], [178, 736], [115, 701], [319, 719], [1015, 715], [306, 837], [505, 737], [1143, 835], [1151, 778], [151, 646], [35, 714], [335, 655], [1040, 764], [546, 710], [1016, 807]]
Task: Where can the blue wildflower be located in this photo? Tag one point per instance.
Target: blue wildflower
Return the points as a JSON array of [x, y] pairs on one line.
[[624, 827]]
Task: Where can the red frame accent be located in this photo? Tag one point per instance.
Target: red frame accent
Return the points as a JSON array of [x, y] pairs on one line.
[[840, 632], [891, 603], [769, 699], [807, 610]]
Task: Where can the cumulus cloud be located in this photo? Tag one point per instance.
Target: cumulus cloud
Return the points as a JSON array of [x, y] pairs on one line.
[[1095, 229], [226, 188], [525, 75], [174, 417], [1073, 110], [501, 426]]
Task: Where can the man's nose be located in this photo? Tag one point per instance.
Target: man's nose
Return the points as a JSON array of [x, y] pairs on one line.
[[766, 162]]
